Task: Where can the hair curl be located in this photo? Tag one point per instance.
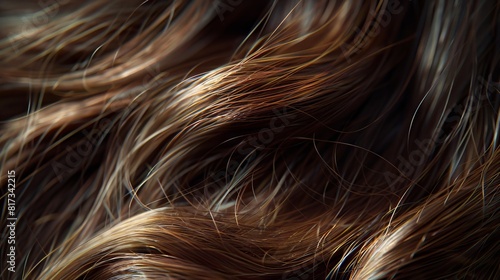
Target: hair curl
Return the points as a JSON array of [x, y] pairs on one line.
[[251, 139]]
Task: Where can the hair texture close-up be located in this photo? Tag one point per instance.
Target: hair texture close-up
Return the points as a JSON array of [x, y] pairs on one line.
[[240, 139]]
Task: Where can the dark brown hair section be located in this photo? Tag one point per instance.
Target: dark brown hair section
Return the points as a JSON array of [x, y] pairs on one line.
[[250, 139]]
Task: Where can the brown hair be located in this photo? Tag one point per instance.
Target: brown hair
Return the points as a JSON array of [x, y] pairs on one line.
[[250, 139]]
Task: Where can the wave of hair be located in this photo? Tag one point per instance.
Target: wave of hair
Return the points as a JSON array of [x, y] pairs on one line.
[[251, 139]]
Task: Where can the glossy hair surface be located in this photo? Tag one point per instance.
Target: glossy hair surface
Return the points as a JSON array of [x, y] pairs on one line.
[[251, 139]]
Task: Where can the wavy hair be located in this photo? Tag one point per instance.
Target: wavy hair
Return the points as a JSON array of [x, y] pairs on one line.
[[250, 139]]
